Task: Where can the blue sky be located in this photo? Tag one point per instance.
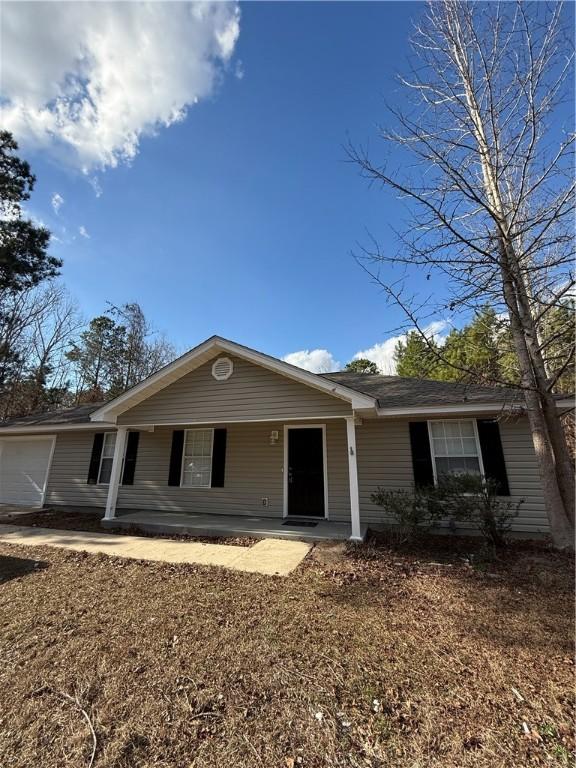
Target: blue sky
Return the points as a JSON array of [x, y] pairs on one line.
[[239, 219]]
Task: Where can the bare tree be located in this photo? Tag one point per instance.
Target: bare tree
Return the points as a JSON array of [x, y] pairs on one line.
[[144, 351], [51, 332], [488, 177], [36, 327]]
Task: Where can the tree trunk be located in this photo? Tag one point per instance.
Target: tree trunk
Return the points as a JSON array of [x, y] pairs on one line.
[[564, 469], [561, 528], [561, 525]]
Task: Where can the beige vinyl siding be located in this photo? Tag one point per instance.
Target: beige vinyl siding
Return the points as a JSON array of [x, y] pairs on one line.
[[524, 475], [385, 459], [67, 482], [254, 469], [252, 393]]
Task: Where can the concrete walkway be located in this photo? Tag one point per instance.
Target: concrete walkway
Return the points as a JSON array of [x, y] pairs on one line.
[[269, 556]]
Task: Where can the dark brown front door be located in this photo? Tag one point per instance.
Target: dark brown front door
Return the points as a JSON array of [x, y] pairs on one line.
[[306, 472]]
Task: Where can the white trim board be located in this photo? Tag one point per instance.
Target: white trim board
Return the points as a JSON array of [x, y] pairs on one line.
[[31, 429], [507, 409], [287, 428]]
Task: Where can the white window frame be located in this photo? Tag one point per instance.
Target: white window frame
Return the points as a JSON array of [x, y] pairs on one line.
[[197, 429], [469, 456], [102, 457]]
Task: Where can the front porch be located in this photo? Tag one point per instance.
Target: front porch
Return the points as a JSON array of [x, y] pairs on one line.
[[206, 525], [285, 479]]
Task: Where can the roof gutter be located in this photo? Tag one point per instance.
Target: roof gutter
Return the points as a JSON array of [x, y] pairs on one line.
[[51, 428], [471, 408]]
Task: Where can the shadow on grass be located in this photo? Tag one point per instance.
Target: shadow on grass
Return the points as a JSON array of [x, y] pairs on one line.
[[15, 567]]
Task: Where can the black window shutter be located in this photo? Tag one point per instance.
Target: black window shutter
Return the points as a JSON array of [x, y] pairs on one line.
[[421, 456], [493, 455], [218, 458], [130, 458], [175, 471], [94, 467]]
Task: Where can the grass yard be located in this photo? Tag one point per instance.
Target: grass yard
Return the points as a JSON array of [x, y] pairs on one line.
[[359, 658]]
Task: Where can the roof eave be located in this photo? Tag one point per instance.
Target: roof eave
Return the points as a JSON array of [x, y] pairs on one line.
[[463, 408], [51, 428]]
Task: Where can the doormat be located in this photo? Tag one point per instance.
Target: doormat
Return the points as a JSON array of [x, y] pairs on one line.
[[300, 523]]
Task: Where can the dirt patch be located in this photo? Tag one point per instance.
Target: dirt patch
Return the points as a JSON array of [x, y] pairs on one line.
[[378, 659], [90, 521]]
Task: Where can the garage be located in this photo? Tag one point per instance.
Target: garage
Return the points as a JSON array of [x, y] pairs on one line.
[[24, 465]]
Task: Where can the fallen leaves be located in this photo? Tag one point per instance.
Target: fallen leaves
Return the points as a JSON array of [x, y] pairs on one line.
[[388, 660]]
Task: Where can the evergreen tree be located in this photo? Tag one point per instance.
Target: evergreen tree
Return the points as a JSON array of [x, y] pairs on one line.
[[24, 260], [558, 343], [115, 352], [362, 365], [414, 358], [95, 356]]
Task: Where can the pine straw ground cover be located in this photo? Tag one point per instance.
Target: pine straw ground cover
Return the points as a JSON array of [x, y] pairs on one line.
[[365, 658]]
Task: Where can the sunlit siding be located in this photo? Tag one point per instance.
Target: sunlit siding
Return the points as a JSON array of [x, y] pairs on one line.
[[251, 393], [384, 459], [254, 470]]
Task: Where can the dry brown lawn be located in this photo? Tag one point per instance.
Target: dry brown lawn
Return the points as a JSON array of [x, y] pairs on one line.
[[363, 658]]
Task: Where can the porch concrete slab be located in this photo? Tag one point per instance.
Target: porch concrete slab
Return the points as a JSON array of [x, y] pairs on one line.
[[231, 525], [272, 556], [266, 557]]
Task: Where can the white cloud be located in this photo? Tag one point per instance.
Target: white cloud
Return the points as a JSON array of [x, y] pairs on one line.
[[88, 80], [57, 202], [83, 231], [383, 353], [315, 360], [95, 184]]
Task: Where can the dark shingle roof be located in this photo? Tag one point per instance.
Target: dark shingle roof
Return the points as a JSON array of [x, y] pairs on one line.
[[78, 415], [401, 392]]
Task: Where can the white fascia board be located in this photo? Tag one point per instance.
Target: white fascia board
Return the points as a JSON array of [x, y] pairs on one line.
[[424, 410], [50, 428], [471, 408], [200, 354]]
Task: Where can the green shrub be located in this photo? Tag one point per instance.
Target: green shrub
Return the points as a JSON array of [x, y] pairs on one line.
[[470, 499], [458, 499], [412, 511]]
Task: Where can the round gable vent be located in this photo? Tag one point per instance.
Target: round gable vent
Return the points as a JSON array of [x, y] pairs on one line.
[[222, 369]]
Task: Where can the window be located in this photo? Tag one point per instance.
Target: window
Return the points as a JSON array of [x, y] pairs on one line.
[[197, 458], [106, 458], [455, 448]]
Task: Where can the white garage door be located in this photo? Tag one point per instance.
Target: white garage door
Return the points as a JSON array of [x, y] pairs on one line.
[[24, 469]]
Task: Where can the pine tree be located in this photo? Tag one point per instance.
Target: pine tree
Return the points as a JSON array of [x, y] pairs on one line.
[[24, 259], [95, 357], [414, 358], [362, 365]]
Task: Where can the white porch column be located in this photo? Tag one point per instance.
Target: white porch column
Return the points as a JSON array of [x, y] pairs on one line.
[[353, 477], [115, 475]]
